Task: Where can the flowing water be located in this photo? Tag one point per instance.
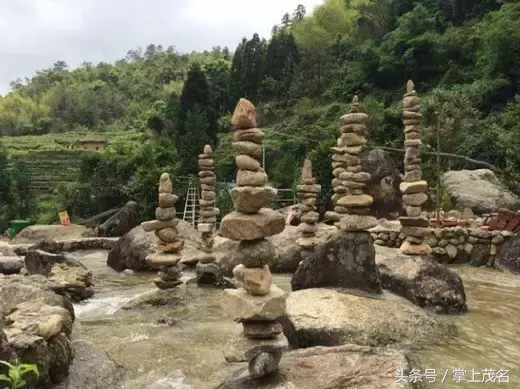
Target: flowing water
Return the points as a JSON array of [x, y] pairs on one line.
[[179, 346], [488, 335]]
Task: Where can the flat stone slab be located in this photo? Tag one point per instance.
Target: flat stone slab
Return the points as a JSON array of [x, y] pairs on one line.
[[242, 226], [243, 349], [157, 259], [345, 261], [357, 222], [243, 306], [326, 317], [342, 367], [409, 221]]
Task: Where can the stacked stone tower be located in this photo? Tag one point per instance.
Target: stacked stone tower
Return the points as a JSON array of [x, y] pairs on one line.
[[257, 304], [415, 226], [307, 192], [352, 204], [168, 253], [206, 268]]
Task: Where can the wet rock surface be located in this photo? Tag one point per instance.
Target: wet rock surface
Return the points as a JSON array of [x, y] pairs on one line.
[[421, 280]]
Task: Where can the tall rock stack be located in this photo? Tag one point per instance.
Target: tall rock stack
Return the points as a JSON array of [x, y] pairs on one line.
[[168, 253], [353, 204], [206, 268], [256, 303], [415, 226], [307, 192]]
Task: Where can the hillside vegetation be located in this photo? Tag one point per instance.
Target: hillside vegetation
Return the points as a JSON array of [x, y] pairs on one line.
[[464, 57]]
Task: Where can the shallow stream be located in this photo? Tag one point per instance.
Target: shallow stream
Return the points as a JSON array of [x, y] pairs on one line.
[[181, 344]]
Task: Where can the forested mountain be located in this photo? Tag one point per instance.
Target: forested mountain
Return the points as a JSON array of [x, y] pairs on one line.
[[464, 57]]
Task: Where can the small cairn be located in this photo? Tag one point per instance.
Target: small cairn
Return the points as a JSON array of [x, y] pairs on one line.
[[256, 303], [207, 270], [352, 204], [415, 226], [167, 256], [307, 192]]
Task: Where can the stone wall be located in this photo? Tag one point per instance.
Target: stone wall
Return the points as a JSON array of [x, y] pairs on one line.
[[451, 245]]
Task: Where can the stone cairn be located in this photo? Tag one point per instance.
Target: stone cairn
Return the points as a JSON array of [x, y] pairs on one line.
[[256, 303], [168, 253], [207, 270], [307, 192], [352, 205], [415, 226]]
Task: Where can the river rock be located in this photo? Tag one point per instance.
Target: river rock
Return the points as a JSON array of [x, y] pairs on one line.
[[408, 221], [250, 135], [121, 222], [163, 214], [508, 255], [244, 115], [256, 281], [326, 317], [255, 253], [155, 225], [167, 235], [414, 187], [480, 255], [131, 250], [245, 162], [250, 178], [354, 118], [244, 349], [346, 261], [351, 223], [262, 329], [251, 199], [339, 367], [11, 265], [415, 199], [415, 249], [355, 201], [264, 364], [352, 139], [240, 226], [421, 280], [248, 148], [243, 306]]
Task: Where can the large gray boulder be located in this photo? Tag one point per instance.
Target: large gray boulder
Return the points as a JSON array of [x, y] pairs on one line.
[[384, 183], [480, 190], [66, 273], [131, 250], [508, 256], [421, 280], [121, 222], [342, 367], [92, 368], [33, 234], [6, 351], [327, 317], [345, 261]]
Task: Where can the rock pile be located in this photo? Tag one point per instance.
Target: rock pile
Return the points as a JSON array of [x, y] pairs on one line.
[[167, 256], [414, 188], [352, 205], [207, 270], [256, 304], [307, 192]]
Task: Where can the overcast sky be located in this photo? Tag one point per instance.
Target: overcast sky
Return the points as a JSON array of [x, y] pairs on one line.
[[37, 33]]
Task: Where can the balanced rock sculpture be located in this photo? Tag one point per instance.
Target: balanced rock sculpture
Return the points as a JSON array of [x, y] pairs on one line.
[[415, 226], [257, 304], [207, 270], [352, 205], [307, 192], [168, 254]]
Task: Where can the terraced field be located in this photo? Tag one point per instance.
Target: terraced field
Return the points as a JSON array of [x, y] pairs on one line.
[[49, 159]]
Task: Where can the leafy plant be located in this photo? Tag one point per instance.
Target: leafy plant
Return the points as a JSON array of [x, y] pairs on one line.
[[18, 373]]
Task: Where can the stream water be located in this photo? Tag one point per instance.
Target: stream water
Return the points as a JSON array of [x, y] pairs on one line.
[[180, 345]]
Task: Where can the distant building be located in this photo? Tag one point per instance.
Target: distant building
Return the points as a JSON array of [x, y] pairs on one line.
[[85, 144]]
